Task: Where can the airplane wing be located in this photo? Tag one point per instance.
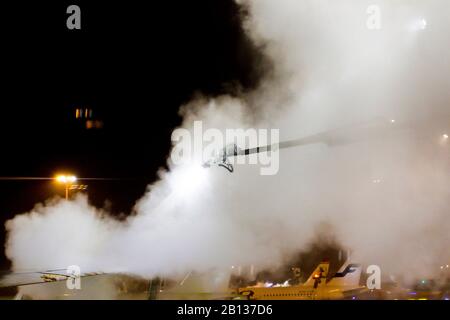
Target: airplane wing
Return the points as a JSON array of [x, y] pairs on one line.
[[36, 277]]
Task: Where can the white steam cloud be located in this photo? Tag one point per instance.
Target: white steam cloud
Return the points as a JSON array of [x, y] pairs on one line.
[[387, 198]]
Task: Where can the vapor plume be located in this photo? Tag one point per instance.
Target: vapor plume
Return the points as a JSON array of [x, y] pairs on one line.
[[386, 198]]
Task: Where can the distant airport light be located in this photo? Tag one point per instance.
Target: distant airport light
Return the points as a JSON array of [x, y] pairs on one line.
[[393, 121], [419, 24], [423, 24], [445, 136], [65, 179]]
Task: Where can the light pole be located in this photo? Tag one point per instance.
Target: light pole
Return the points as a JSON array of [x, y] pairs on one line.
[[67, 180]]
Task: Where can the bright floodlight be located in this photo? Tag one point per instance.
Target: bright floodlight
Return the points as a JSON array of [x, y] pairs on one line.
[[445, 136], [188, 180], [66, 179], [61, 179]]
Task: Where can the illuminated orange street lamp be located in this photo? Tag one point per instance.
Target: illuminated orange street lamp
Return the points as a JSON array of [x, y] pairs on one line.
[[68, 181]]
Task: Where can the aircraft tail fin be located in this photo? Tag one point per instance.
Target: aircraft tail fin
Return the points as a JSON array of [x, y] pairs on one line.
[[319, 275]]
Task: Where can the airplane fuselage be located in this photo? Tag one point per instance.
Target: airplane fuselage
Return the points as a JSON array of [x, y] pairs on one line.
[[299, 293]]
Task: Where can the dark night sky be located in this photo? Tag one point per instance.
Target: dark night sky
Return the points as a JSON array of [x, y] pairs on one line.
[[133, 65]]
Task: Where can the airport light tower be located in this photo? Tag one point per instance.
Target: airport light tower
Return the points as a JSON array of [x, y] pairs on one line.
[[68, 181]]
